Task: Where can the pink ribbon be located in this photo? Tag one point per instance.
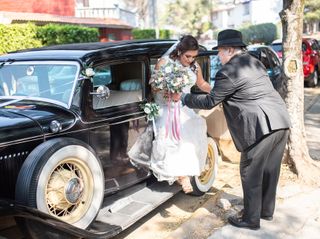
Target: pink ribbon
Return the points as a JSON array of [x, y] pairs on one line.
[[168, 116], [175, 123]]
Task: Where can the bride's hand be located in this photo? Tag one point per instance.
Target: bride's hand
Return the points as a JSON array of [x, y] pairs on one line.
[[175, 97]]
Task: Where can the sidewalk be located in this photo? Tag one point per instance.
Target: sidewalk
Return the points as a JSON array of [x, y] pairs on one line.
[[297, 215], [297, 212], [312, 124]]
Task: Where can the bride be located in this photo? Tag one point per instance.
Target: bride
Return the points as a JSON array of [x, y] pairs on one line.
[[175, 159]]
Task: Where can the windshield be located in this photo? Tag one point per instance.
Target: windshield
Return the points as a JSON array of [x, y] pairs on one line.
[[46, 81]]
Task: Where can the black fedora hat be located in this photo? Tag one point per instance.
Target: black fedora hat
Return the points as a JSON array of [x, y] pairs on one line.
[[230, 37]]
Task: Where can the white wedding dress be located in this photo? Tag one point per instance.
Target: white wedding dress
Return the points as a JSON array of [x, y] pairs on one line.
[[171, 158]]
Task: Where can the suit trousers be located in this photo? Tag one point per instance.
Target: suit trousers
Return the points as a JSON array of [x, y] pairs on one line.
[[259, 170]]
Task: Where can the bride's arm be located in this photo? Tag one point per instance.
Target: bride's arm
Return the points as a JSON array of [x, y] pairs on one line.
[[201, 83]]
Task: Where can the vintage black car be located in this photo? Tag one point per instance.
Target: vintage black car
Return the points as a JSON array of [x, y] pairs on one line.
[[65, 134]]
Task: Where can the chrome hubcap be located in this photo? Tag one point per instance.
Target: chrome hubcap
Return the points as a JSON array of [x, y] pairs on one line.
[[74, 190]]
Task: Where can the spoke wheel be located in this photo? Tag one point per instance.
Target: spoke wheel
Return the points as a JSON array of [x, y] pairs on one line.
[[63, 178], [204, 182], [68, 191]]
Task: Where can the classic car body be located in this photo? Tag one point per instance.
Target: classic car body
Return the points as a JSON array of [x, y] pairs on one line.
[[65, 134]]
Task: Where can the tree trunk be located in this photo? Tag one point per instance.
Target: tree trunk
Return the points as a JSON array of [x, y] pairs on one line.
[[298, 157]]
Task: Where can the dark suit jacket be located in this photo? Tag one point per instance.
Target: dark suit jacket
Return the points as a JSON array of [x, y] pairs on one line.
[[253, 108]]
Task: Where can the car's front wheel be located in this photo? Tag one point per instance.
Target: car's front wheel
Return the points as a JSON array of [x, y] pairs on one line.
[[64, 178], [314, 79], [202, 184]]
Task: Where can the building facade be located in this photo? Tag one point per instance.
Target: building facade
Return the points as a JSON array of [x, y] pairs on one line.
[[235, 13], [111, 26], [104, 9], [56, 7]]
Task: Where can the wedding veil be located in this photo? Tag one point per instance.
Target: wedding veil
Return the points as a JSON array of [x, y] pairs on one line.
[[171, 49]]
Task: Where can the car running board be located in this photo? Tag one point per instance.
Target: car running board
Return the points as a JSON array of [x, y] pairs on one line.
[[121, 210]]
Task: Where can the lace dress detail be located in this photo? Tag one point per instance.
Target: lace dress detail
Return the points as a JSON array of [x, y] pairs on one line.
[[171, 158]]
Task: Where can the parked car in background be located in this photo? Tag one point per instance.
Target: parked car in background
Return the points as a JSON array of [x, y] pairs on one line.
[[271, 61], [276, 45], [209, 44], [69, 115], [265, 54], [310, 59]]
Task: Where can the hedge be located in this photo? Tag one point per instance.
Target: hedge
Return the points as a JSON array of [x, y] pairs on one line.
[[54, 34], [143, 33], [260, 33], [18, 36], [164, 34], [150, 34], [15, 37]]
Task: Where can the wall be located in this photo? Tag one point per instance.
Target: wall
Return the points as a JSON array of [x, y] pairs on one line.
[[56, 7]]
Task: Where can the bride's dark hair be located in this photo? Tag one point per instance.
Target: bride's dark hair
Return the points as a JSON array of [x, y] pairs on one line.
[[187, 43]]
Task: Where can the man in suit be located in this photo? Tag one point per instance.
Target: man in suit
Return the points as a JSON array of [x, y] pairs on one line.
[[258, 122]]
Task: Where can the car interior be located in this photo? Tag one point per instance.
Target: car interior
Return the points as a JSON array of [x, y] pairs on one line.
[[124, 82]]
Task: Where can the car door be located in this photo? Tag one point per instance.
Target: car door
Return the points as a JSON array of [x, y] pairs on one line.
[[210, 64], [316, 51], [118, 120], [275, 70]]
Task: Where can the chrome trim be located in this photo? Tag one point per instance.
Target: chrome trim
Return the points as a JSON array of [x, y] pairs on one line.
[[120, 122], [61, 133], [112, 118]]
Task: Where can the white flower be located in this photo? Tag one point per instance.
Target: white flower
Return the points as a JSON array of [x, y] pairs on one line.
[[89, 72], [147, 110], [167, 69]]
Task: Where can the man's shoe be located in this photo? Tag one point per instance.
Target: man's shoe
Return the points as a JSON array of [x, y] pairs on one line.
[[268, 218], [238, 222]]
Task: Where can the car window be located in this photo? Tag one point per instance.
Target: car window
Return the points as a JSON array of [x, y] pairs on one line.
[[304, 46], [124, 80], [102, 76], [274, 60], [215, 65], [264, 59], [314, 46]]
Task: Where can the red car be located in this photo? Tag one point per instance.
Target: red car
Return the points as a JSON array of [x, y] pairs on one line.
[[310, 59]]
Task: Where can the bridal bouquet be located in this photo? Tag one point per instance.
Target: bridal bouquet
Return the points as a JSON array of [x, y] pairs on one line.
[[171, 77]]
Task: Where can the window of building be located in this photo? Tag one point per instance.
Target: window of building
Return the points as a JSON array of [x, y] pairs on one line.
[[214, 16], [111, 37], [246, 9]]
